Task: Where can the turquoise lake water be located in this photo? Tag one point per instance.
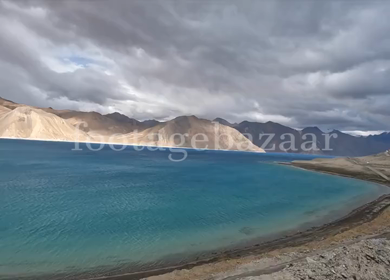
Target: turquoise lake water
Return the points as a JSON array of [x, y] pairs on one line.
[[64, 211]]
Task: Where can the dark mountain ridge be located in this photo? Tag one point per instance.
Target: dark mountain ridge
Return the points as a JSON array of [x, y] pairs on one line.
[[274, 137]]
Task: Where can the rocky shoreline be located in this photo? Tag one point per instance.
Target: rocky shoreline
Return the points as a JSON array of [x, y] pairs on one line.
[[365, 259]]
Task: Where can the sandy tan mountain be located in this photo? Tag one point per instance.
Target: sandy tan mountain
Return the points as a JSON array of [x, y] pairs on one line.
[[92, 122], [12, 105], [95, 123], [50, 124], [32, 123], [192, 132], [4, 110], [9, 104]]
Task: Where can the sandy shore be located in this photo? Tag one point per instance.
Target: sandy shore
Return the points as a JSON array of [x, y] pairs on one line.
[[372, 168]]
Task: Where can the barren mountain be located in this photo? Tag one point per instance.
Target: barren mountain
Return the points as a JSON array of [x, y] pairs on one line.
[[190, 131], [341, 144], [32, 123], [384, 137], [97, 124], [12, 105], [131, 123], [122, 119], [4, 110], [258, 132], [104, 128], [224, 122], [51, 124], [9, 104], [87, 121], [150, 123]]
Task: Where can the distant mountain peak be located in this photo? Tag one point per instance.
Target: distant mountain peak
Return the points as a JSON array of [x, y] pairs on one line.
[[219, 119], [223, 121], [312, 129], [150, 123], [121, 118], [3, 99], [115, 114], [181, 118]]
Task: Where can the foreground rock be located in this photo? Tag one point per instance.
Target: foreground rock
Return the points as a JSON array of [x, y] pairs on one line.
[[368, 259]]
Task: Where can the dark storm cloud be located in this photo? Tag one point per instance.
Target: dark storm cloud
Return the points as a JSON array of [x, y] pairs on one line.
[[297, 62]]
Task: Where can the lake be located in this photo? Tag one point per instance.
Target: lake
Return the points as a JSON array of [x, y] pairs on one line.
[[67, 212]]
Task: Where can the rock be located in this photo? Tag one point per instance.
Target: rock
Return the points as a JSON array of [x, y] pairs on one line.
[[368, 259], [310, 260]]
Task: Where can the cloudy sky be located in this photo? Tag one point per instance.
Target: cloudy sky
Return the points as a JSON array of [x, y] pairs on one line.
[[298, 63]]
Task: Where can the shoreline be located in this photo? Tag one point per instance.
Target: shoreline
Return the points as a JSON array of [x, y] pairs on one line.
[[337, 172]]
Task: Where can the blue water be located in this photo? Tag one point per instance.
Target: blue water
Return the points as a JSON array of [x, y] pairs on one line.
[[64, 211]]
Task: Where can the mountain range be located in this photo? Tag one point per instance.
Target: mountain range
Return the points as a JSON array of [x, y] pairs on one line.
[[23, 121], [341, 144], [28, 122]]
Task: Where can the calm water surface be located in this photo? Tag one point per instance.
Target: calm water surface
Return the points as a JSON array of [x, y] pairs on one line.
[[64, 211]]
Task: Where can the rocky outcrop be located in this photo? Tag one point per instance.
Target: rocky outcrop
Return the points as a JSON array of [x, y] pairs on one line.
[[368, 259]]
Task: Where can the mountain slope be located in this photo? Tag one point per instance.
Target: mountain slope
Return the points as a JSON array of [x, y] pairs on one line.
[[95, 123], [341, 144], [4, 110], [150, 123], [214, 136], [27, 122], [122, 118], [9, 104], [384, 137], [224, 122], [254, 130]]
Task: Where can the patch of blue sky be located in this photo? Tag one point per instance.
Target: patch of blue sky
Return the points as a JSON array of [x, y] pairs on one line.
[[79, 60]]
